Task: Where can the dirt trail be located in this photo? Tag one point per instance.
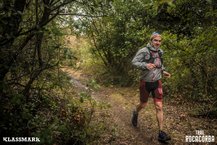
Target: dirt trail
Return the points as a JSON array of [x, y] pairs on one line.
[[122, 101]]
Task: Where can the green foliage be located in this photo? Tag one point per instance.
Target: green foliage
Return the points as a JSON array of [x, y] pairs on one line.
[[190, 60], [93, 84], [35, 94], [189, 34], [36, 97], [54, 114], [116, 36]]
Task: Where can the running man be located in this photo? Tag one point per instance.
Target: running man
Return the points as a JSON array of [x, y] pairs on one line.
[[149, 61]]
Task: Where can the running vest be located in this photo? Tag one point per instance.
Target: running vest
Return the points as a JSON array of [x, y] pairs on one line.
[[152, 59]]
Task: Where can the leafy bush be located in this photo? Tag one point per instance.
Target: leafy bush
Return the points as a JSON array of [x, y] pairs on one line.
[[59, 115]]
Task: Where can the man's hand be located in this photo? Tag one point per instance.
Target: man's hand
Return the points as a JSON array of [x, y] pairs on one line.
[[150, 66], [166, 74]]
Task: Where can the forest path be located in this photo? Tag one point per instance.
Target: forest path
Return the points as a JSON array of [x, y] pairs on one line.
[[120, 102]]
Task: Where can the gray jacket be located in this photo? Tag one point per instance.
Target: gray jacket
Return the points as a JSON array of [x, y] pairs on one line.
[[146, 55]]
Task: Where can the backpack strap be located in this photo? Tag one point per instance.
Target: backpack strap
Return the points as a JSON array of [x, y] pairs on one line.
[[151, 59]]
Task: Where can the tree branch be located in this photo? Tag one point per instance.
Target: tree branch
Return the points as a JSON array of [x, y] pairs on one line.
[[83, 15]]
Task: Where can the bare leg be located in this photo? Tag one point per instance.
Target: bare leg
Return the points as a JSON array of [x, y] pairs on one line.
[[134, 119], [159, 114], [140, 106]]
